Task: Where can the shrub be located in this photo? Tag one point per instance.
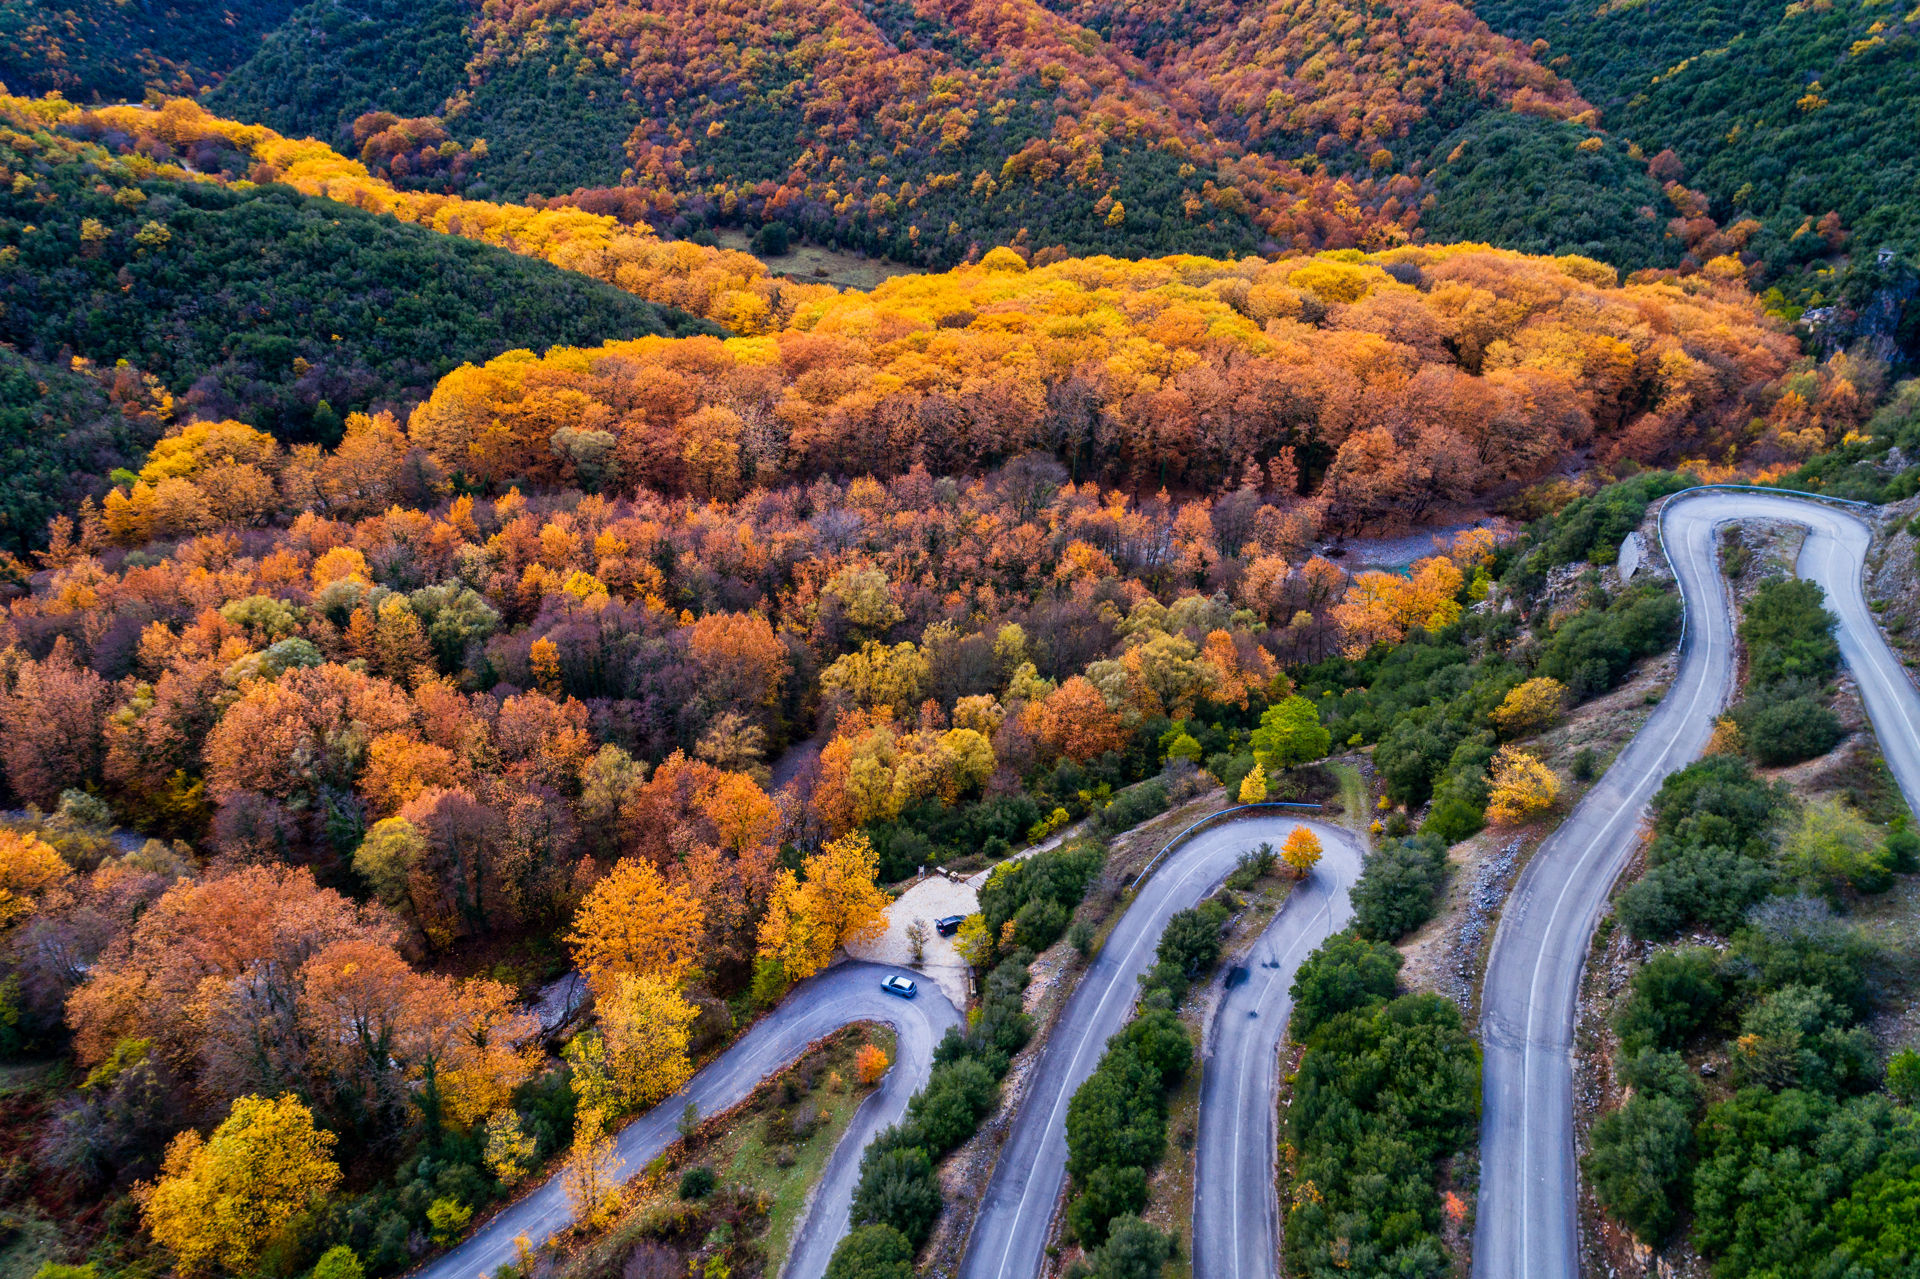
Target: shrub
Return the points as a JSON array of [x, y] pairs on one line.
[[447, 1219], [1903, 850], [1903, 1076], [1832, 846], [1789, 633], [1191, 944], [1795, 1037], [1252, 866], [872, 1252], [1132, 806], [1640, 1156], [1039, 923], [1791, 651], [1381, 1097], [1658, 1072], [1718, 800], [1452, 819], [957, 1097], [1792, 941], [1058, 877], [774, 240], [1110, 1192], [1134, 1250], [337, 1262], [1592, 651], [1396, 890], [1785, 730], [898, 1189], [1675, 994], [696, 1182], [1769, 1166], [1711, 886], [1586, 764], [1346, 973], [1117, 1119]]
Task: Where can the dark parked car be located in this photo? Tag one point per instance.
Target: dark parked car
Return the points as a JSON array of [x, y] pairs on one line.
[[950, 925]]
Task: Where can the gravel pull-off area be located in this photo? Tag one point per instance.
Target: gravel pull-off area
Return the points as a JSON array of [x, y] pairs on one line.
[[932, 898]]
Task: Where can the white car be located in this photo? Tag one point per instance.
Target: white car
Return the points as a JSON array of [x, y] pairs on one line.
[[895, 984]]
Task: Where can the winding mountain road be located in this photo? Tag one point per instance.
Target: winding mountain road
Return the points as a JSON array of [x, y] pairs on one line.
[[1236, 1206], [1016, 1215], [1529, 1181], [817, 1007]]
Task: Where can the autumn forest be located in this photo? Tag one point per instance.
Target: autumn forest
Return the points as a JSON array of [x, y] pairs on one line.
[[489, 627]]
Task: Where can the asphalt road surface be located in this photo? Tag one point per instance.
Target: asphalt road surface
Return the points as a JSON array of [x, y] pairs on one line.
[[1528, 1182], [1016, 1214], [817, 1007], [1236, 1208]]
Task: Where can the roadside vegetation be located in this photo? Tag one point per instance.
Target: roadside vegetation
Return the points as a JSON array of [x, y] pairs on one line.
[[726, 1198], [1768, 1116], [1025, 908], [1386, 1093], [1448, 710]]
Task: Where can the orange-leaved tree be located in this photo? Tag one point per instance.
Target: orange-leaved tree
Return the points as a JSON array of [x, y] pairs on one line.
[[1301, 852], [870, 1063], [634, 922], [29, 870]]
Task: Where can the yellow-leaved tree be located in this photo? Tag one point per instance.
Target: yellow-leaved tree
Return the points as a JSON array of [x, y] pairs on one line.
[[1523, 787], [593, 1165], [29, 870], [510, 1147], [634, 922], [220, 1201], [646, 1024], [1529, 707], [1253, 790], [835, 900], [1301, 852]]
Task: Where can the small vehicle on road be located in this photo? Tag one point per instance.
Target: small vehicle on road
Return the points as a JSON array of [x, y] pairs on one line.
[[895, 984], [950, 925]]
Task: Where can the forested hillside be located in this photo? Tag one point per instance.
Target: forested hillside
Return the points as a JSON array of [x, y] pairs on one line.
[[1795, 119], [1654, 135], [115, 50], [252, 302], [1383, 385], [922, 131]]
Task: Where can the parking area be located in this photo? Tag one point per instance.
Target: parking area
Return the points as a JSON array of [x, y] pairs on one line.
[[932, 898]]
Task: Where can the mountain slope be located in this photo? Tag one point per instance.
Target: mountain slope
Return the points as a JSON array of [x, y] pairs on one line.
[[1781, 114], [252, 302], [110, 50], [927, 129]]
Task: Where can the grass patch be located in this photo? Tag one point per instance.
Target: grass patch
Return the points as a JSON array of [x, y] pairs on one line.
[[817, 265], [1354, 806], [26, 1243]]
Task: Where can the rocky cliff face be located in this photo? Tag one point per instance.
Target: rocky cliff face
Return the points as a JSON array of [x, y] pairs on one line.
[[1885, 321]]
